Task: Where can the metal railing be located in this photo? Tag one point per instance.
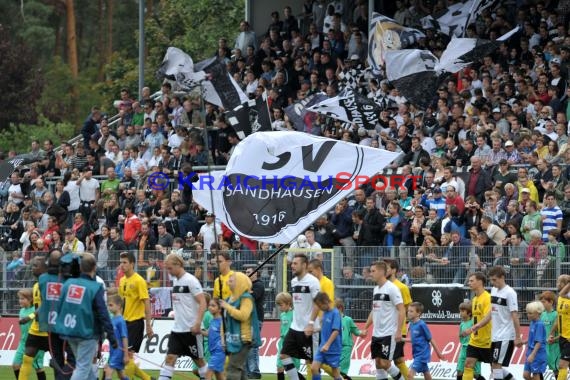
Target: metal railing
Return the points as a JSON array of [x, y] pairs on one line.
[[439, 285]]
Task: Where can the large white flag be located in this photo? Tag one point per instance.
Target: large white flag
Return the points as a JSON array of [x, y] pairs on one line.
[[277, 184]]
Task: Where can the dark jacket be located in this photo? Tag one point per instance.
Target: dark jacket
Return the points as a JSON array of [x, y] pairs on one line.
[[343, 223], [409, 157], [372, 229], [483, 184], [258, 292]]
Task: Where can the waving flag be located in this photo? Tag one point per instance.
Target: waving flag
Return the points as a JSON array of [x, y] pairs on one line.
[[386, 34], [418, 73], [178, 66], [218, 86], [457, 17], [477, 8], [277, 184], [300, 116], [250, 117], [351, 107]]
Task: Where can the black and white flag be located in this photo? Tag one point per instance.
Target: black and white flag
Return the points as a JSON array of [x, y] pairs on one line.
[[221, 88], [250, 117], [477, 8], [179, 66], [277, 184], [351, 77], [386, 34], [457, 17], [418, 73], [218, 86], [301, 117], [351, 107], [415, 74]]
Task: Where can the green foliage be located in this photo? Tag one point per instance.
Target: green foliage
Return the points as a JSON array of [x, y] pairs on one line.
[[19, 137], [35, 28], [20, 81], [34, 50], [120, 73], [194, 27], [57, 102]]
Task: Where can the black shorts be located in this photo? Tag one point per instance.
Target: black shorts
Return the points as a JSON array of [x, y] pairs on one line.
[[40, 343], [186, 344], [484, 355], [135, 330], [383, 347], [564, 348], [297, 345], [503, 352], [399, 350]]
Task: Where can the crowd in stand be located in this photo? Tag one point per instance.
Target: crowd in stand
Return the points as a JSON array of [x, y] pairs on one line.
[[491, 153]]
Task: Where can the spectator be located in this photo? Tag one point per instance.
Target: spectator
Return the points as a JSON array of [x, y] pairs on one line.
[[72, 243]]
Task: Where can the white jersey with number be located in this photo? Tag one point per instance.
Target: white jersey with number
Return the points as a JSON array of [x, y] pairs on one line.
[[303, 291], [184, 291], [385, 300], [504, 302]]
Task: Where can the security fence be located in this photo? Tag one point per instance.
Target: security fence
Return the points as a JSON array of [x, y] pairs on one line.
[[436, 275]]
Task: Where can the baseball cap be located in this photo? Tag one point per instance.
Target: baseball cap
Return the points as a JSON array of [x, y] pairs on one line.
[[151, 197], [509, 143], [437, 190], [525, 190], [354, 57], [209, 214], [555, 60], [496, 110], [408, 208], [189, 234]]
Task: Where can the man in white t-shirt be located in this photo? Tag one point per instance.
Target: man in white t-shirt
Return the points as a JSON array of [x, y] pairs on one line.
[[210, 232], [298, 342], [387, 318], [88, 192], [189, 306], [15, 193], [505, 325]]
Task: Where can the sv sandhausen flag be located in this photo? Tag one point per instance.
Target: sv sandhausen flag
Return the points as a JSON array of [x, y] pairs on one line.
[[351, 107], [386, 34], [250, 117], [277, 184], [218, 86]]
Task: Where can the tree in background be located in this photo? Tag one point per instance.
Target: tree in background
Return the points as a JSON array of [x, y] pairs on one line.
[[20, 80], [89, 65]]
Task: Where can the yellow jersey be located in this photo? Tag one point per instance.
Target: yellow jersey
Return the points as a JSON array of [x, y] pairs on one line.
[[406, 298], [481, 307], [563, 309], [327, 287], [37, 299], [226, 292], [134, 291]]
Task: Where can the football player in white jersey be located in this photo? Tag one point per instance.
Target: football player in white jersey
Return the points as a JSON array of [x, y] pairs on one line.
[[387, 318], [189, 304], [505, 330], [298, 342]]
